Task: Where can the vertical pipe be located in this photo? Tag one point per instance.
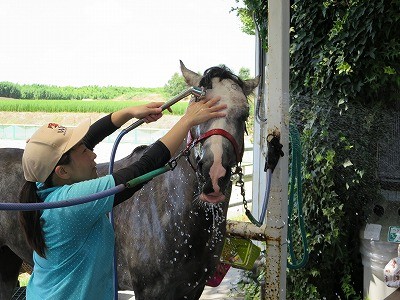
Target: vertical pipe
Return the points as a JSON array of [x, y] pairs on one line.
[[277, 108], [259, 145]]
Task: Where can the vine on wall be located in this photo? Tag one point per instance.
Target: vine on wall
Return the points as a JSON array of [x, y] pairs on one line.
[[344, 78]]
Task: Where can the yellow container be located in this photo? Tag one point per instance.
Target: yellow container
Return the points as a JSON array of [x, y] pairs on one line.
[[239, 253]]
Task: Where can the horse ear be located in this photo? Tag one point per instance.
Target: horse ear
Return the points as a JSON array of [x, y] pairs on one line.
[[250, 85], [191, 78]]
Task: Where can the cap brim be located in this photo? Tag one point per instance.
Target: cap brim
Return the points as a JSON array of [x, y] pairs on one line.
[[78, 134]]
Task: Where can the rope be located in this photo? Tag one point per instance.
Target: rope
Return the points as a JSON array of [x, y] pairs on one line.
[[296, 192]]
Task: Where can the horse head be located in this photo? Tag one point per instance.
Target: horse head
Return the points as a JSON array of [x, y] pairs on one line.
[[219, 143]]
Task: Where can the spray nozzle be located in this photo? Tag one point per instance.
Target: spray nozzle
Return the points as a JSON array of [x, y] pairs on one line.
[[198, 92]]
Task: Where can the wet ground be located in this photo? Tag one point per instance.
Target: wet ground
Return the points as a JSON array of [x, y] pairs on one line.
[[226, 290]]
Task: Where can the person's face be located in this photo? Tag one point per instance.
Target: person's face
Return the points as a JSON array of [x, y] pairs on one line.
[[82, 166]]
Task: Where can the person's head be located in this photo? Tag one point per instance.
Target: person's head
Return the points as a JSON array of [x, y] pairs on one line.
[[56, 155]]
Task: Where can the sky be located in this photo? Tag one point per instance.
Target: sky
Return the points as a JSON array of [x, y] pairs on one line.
[[135, 43]]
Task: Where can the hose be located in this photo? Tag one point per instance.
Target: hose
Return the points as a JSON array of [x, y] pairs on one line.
[[296, 192], [63, 203]]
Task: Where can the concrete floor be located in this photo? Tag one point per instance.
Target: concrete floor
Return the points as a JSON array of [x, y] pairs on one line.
[[226, 290]]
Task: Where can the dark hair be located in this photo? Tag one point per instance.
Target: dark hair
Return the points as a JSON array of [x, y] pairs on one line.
[[223, 72], [30, 220]]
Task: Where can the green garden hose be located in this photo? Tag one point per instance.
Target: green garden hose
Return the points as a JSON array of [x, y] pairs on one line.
[[296, 193]]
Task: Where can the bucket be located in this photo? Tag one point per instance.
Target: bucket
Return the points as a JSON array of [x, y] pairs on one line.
[[219, 275], [240, 253]]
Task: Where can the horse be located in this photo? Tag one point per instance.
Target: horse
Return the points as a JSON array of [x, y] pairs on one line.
[[170, 234]]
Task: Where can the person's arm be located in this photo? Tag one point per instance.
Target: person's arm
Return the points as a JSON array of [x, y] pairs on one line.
[[154, 157], [109, 124], [98, 131]]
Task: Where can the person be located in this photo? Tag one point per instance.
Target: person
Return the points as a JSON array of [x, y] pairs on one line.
[[73, 246]]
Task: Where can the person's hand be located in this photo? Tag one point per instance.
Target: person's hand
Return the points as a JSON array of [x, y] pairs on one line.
[[196, 113], [204, 110], [150, 112]]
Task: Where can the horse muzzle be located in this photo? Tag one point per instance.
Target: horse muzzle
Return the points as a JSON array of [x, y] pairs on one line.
[[213, 198], [215, 184]]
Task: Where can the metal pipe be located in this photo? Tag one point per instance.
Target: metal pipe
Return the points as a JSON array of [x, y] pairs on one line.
[[248, 230], [277, 104]]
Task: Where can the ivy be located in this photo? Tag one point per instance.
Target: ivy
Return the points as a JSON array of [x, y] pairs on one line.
[[344, 83], [346, 50]]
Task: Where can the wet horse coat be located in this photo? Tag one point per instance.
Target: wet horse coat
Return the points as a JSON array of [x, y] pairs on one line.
[[169, 236]]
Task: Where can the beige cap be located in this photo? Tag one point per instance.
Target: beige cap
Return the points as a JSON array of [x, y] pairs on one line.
[[46, 146]]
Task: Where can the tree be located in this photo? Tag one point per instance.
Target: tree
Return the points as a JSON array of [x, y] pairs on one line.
[[175, 85], [244, 73]]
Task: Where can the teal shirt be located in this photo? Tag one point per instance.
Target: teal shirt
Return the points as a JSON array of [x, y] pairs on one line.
[[80, 246]]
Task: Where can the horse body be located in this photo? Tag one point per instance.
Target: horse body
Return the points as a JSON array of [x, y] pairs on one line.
[[169, 236], [13, 247], [173, 244]]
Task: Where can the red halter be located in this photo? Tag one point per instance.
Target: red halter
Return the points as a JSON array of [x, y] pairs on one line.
[[222, 132]]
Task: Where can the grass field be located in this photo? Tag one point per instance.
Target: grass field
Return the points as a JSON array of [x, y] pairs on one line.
[[77, 106]]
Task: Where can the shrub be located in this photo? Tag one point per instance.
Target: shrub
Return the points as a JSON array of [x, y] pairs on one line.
[[175, 85], [9, 90]]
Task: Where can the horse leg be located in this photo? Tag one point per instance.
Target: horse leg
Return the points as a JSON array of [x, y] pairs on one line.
[[10, 264]]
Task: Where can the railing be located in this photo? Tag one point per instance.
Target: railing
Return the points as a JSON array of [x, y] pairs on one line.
[[138, 136]]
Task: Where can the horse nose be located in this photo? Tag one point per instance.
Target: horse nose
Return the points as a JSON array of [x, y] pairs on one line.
[[208, 188], [214, 174], [214, 185]]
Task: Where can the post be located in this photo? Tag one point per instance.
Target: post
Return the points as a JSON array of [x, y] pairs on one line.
[[276, 105]]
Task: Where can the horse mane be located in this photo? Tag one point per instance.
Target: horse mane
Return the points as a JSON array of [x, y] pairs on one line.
[[223, 72]]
